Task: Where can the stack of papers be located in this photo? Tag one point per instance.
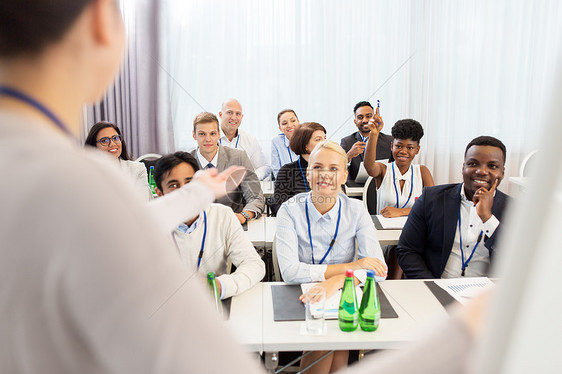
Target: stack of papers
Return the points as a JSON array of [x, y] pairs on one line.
[[333, 302], [464, 289]]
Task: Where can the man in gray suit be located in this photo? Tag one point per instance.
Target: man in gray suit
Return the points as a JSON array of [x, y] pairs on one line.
[[247, 200]]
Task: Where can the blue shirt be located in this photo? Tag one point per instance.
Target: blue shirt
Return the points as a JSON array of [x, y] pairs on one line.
[[293, 243], [189, 229], [281, 154]]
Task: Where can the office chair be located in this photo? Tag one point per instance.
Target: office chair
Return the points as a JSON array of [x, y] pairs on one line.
[[370, 196]]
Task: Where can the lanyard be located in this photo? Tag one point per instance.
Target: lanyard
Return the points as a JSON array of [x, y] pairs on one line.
[[396, 189], [465, 264], [310, 233], [12, 92], [289, 151], [237, 140], [303, 178], [202, 243]]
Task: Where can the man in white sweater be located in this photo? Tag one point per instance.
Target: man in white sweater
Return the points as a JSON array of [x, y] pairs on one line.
[[206, 242]]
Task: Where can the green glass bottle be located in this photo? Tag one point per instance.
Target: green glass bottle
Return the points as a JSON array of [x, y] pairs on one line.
[[212, 283], [370, 309], [348, 315], [151, 182]]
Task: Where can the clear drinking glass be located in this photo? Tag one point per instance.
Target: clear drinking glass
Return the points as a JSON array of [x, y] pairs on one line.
[[315, 304]]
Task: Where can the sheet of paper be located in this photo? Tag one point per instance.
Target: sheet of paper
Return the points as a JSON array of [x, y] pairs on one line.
[[333, 302], [392, 223], [464, 289]]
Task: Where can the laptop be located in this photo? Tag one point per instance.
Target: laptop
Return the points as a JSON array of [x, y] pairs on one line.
[[362, 174]]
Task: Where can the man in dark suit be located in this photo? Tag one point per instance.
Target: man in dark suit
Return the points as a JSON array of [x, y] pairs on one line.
[[247, 200], [452, 229], [355, 143]]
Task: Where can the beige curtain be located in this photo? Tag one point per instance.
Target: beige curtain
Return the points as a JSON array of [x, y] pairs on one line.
[[137, 102]]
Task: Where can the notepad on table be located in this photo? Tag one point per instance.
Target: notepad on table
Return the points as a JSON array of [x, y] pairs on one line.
[[392, 223], [332, 302], [464, 289]]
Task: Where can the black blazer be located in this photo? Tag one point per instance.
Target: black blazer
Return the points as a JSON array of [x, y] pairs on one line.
[[289, 183], [427, 239], [383, 151]]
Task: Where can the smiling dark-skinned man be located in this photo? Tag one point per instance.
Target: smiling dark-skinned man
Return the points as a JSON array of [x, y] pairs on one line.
[[449, 216]]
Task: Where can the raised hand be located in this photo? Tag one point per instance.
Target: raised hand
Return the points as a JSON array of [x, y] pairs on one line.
[[483, 199], [376, 123]]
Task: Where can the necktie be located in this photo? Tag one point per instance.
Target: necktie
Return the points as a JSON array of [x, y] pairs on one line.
[[210, 166]]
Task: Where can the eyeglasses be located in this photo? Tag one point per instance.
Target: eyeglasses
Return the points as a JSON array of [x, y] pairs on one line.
[[105, 141]]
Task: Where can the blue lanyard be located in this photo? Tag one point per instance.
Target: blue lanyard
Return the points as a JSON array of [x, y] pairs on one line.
[[303, 178], [12, 92], [310, 233], [289, 151], [237, 140], [465, 264], [396, 189], [203, 242]]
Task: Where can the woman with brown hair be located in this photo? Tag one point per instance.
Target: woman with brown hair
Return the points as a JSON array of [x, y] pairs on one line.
[[291, 179]]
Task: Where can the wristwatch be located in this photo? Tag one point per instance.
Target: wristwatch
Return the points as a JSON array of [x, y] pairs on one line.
[[245, 215]]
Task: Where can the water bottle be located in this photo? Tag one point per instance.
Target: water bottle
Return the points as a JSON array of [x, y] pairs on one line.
[[151, 181], [212, 283], [370, 309], [348, 315]]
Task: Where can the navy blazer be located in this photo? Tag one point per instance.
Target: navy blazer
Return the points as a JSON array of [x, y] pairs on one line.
[[383, 151], [428, 235]]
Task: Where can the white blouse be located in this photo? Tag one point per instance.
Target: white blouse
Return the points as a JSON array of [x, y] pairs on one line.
[[412, 189], [136, 172]]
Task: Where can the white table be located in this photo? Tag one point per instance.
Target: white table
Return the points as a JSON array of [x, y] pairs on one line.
[[267, 187], [246, 318], [286, 336], [256, 232], [251, 321]]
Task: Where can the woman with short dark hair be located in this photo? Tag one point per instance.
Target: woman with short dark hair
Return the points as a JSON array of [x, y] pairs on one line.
[[400, 182], [291, 179]]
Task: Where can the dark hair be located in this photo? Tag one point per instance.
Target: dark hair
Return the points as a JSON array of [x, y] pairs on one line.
[[407, 129], [165, 164], [29, 26], [92, 135], [490, 141], [302, 136], [360, 104], [285, 111], [204, 117]]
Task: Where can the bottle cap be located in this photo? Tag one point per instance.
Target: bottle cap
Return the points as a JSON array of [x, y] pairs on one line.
[[349, 273], [210, 275], [371, 273]]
